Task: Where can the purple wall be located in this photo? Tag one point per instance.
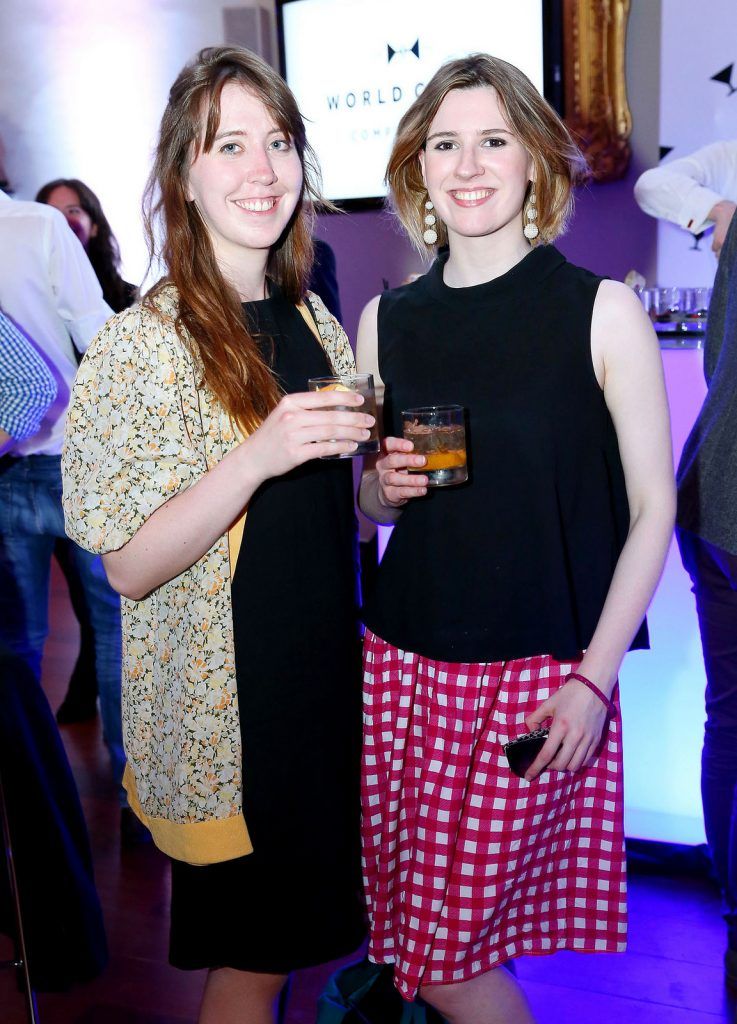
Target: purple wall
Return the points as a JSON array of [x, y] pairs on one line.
[[369, 247], [609, 234]]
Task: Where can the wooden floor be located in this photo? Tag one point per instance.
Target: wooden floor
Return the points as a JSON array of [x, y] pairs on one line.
[[672, 973]]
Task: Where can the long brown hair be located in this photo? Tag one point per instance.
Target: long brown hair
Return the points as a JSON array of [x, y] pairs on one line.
[[558, 163], [209, 308]]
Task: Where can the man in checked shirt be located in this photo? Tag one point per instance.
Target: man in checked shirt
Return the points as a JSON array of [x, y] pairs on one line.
[[27, 386]]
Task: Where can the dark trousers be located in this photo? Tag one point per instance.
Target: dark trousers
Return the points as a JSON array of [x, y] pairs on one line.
[[62, 917], [31, 524], [714, 574]]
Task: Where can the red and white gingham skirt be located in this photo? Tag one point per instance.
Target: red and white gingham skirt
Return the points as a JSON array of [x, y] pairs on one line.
[[466, 865]]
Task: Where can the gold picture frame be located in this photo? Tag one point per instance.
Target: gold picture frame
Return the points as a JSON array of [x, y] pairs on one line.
[[595, 90]]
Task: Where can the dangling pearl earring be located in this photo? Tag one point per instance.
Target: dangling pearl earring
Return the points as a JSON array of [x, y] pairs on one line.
[[531, 229], [430, 235]]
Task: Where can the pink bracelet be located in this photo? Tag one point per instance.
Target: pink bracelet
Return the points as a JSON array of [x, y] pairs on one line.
[[609, 704]]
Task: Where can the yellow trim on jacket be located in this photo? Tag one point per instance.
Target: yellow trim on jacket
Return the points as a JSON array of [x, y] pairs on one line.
[[197, 842]]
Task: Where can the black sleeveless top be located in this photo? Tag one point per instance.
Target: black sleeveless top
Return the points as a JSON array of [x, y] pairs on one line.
[[517, 561]]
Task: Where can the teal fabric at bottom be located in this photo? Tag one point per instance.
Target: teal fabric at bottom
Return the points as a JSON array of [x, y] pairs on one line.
[[364, 993]]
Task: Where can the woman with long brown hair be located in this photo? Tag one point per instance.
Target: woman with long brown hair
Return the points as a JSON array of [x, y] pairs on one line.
[[506, 603], [240, 681]]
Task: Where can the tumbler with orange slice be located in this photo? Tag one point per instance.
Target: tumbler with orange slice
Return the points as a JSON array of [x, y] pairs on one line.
[[439, 433], [363, 383]]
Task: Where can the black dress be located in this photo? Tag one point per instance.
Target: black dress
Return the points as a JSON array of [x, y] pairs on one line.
[[296, 900]]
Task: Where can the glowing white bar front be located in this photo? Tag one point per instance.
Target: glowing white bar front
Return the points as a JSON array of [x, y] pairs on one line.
[[663, 689]]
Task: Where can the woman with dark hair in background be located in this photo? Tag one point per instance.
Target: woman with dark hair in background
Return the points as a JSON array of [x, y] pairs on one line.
[[507, 603], [239, 631], [85, 217]]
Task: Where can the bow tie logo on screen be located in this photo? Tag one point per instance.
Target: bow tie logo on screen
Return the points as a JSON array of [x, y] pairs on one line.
[[392, 53]]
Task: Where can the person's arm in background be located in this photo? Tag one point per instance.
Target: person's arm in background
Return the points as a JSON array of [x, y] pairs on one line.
[[695, 192], [324, 278], [79, 300], [27, 386]]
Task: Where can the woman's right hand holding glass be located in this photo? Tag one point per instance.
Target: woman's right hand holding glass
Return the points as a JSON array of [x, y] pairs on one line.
[[302, 426], [396, 484]]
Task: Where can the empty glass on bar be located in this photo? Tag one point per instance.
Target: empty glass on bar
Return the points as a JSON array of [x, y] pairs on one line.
[[439, 433], [363, 383], [666, 302]]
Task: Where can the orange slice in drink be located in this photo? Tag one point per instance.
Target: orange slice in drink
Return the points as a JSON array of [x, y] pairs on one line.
[[335, 387], [452, 459]]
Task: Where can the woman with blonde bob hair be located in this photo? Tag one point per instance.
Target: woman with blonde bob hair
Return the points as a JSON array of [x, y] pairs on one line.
[[557, 162], [241, 668], [504, 604]]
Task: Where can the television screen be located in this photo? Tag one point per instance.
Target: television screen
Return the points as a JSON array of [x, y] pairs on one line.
[[355, 66]]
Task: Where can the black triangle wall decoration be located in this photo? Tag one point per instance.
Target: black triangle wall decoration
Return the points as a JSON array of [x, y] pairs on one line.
[[725, 77]]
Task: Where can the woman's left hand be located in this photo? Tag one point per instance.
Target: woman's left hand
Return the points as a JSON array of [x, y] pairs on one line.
[[578, 721]]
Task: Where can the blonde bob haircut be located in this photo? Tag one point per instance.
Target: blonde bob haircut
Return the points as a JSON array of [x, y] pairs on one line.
[[558, 163]]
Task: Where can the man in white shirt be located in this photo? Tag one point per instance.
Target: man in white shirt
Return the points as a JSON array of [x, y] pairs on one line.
[[49, 290], [695, 192]]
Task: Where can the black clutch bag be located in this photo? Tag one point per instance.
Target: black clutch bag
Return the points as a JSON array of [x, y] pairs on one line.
[[523, 751]]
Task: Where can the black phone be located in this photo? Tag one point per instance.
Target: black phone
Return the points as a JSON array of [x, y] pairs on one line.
[[523, 750]]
